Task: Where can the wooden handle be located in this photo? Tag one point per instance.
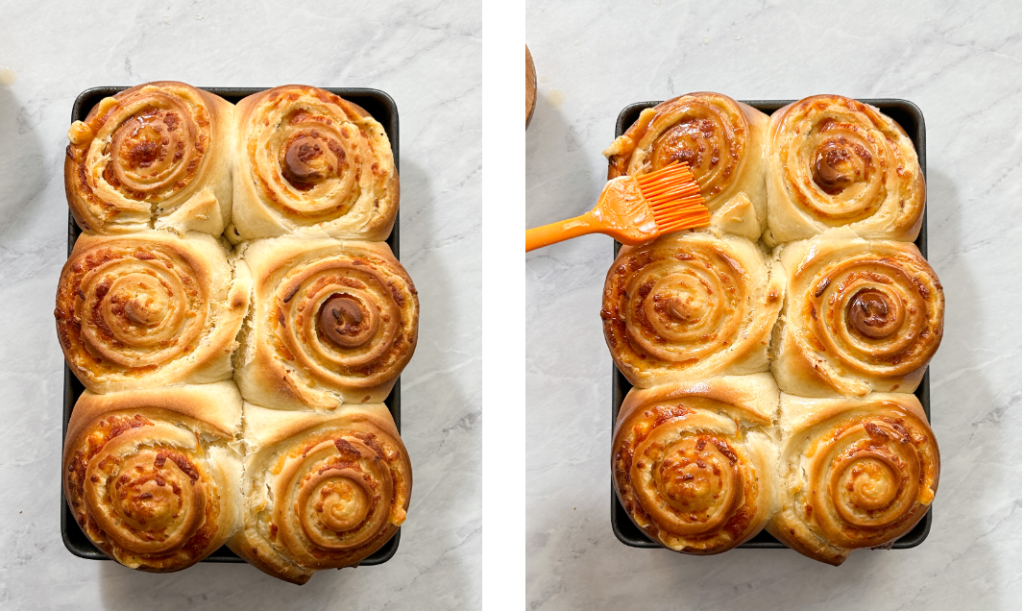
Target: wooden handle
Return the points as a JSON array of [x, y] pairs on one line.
[[547, 235]]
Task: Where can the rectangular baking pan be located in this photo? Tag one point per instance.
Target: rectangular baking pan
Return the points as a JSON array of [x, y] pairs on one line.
[[909, 116], [382, 107]]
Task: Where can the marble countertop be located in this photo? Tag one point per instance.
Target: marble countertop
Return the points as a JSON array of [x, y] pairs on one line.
[[427, 56], [962, 65]]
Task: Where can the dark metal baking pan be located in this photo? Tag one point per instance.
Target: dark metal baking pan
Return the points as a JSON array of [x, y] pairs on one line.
[[909, 116], [382, 107]]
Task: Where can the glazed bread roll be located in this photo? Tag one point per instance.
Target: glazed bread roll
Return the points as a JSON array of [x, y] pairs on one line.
[[333, 322], [156, 155], [861, 316], [152, 475], [835, 162], [322, 491], [149, 310], [307, 158], [855, 473], [695, 465], [689, 306], [721, 139]]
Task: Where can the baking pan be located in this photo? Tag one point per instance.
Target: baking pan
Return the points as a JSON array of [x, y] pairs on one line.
[[909, 116], [383, 109]]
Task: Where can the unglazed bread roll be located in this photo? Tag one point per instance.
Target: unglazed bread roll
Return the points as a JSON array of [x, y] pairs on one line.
[[307, 158], [152, 476], [156, 155], [835, 162], [149, 310], [861, 316], [694, 465], [689, 306], [721, 139], [855, 473], [333, 322], [321, 491]]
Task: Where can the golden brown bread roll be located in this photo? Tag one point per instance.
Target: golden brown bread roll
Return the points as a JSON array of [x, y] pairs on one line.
[[721, 139], [152, 476], [333, 322], [689, 306], [307, 158], [695, 464], [835, 162], [149, 310], [855, 473], [155, 155], [860, 316], [321, 490]]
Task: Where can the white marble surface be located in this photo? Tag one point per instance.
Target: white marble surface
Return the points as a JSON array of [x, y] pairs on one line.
[[961, 63], [427, 56]]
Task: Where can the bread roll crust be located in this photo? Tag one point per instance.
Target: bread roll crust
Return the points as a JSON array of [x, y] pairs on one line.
[[855, 473], [860, 316], [836, 162], [148, 310], [152, 476], [157, 153], [310, 160], [690, 306], [721, 139], [322, 490], [694, 465]]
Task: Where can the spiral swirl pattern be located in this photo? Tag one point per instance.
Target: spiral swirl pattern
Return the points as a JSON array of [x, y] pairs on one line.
[[145, 484], [687, 306], [837, 162], [336, 321], [862, 472], [693, 466], [147, 310], [861, 316], [719, 138], [313, 159], [328, 495], [145, 152]]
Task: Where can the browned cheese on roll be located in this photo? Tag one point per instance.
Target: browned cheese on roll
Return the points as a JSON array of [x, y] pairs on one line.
[[721, 139], [860, 316], [321, 491], [835, 162], [855, 473], [307, 158], [333, 322], [689, 306], [157, 155], [149, 310], [152, 476], [694, 465]]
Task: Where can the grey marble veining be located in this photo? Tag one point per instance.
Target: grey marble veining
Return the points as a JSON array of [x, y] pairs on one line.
[[427, 56], [962, 65]]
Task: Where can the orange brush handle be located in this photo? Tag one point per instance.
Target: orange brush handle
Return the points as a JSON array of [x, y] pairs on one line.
[[547, 235]]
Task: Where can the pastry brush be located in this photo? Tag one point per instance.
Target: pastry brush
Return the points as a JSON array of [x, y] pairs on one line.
[[634, 210]]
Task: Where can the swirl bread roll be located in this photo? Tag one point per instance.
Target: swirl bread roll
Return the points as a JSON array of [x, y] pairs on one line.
[[694, 465], [308, 158], [333, 322], [855, 473], [690, 306], [152, 476], [321, 490], [835, 162], [861, 316], [721, 139], [149, 310], [155, 155]]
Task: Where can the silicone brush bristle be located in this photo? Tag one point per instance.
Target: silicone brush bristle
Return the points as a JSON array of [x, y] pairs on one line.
[[674, 197]]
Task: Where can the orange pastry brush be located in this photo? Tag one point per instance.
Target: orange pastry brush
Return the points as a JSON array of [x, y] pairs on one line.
[[634, 210]]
